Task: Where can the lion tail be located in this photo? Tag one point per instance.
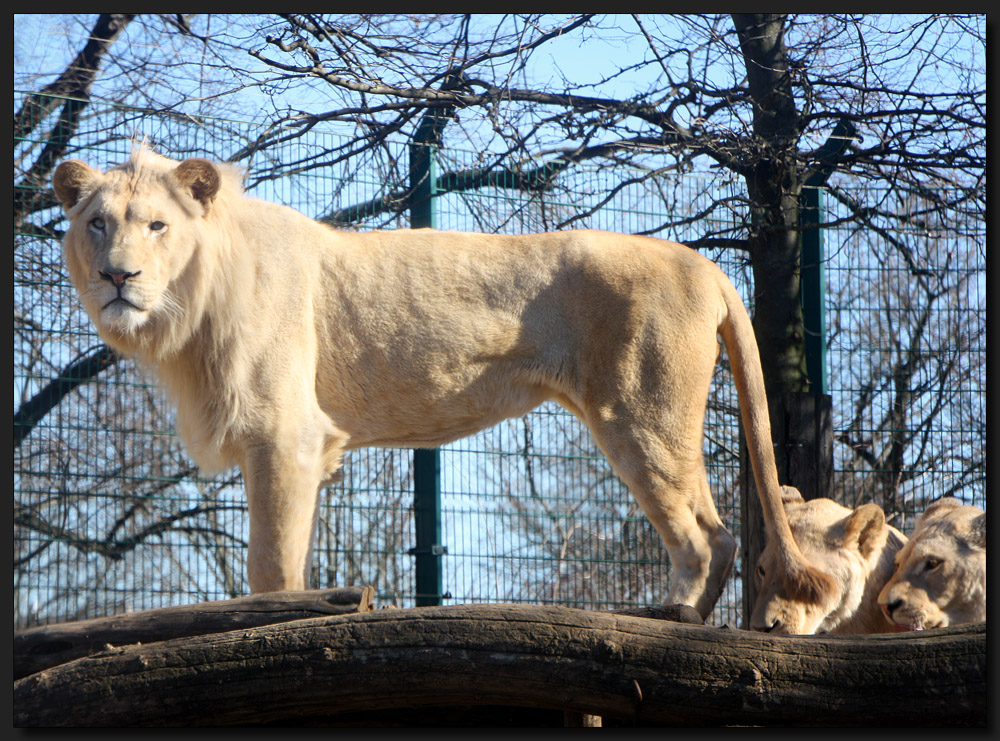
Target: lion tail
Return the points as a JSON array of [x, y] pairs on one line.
[[802, 579]]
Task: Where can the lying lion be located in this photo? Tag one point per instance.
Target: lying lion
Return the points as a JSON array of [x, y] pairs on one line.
[[285, 343], [856, 548], [940, 577]]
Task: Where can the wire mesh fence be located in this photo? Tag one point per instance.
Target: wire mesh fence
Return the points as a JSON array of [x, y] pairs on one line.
[[110, 515]]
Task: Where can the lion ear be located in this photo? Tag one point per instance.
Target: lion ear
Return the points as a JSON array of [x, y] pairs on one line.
[[866, 528], [791, 495], [939, 508], [200, 178], [976, 536], [72, 180]]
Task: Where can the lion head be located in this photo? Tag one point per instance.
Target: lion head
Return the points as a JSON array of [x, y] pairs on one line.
[[855, 548], [940, 576], [132, 245]]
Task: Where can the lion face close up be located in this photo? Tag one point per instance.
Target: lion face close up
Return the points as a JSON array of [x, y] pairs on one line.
[[940, 577], [854, 547], [130, 250]]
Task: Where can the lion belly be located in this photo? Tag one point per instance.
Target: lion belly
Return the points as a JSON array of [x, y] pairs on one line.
[[427, 337]]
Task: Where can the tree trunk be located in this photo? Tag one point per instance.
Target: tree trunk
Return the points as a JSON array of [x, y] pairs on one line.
[[772, 178], [50, 645], [634, 670]]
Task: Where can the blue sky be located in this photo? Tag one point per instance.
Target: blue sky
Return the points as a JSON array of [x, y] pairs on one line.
[[45, 43]]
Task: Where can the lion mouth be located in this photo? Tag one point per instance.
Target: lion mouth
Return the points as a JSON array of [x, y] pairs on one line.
[[122, 300], [898, 627]]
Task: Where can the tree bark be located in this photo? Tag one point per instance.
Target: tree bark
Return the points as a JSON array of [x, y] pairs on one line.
[[51, 645], [772, 179], [636, 670]]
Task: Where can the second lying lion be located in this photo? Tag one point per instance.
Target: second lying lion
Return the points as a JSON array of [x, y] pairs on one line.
[[940, 577]]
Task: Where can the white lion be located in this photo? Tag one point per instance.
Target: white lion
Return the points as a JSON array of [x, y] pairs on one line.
[[940, 577], [855, 548], [285, 343]]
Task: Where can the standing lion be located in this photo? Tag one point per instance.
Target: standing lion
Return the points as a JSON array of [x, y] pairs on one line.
[[285, 343]]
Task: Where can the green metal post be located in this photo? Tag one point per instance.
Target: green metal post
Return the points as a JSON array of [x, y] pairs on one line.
[[428, 551], [813, 282], [813, 288]]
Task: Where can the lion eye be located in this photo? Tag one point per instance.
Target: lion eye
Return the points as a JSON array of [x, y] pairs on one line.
[[98, 223], [157, 226], [931, 564]]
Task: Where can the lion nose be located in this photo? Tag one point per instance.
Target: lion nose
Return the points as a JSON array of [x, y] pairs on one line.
[[118, 278], [769, 628]]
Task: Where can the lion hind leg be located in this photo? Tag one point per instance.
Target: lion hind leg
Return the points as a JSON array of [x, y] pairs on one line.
[[672, 490], [702, 552]]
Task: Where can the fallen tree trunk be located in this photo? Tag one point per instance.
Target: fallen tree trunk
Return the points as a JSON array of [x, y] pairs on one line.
[[636, 670], [50, 645]]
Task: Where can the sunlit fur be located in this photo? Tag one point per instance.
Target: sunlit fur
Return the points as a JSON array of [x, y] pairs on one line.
[[940, 576], [285, 343]]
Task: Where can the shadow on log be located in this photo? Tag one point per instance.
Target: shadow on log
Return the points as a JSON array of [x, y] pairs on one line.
[[629, 670]]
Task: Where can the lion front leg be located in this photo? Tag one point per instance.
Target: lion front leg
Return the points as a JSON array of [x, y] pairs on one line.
[[283, 497]]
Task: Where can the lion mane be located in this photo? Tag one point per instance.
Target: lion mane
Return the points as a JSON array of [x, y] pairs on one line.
[[285, 342]]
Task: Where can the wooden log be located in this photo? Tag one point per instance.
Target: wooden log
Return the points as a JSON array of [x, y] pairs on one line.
[[674, 613], [50, 645], [633, 670]]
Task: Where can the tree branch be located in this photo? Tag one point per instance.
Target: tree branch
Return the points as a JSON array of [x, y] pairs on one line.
[[77, 79], [71, 90], [32, 411]]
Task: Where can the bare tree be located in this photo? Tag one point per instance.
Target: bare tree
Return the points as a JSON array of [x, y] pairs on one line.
[[68, 95]]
